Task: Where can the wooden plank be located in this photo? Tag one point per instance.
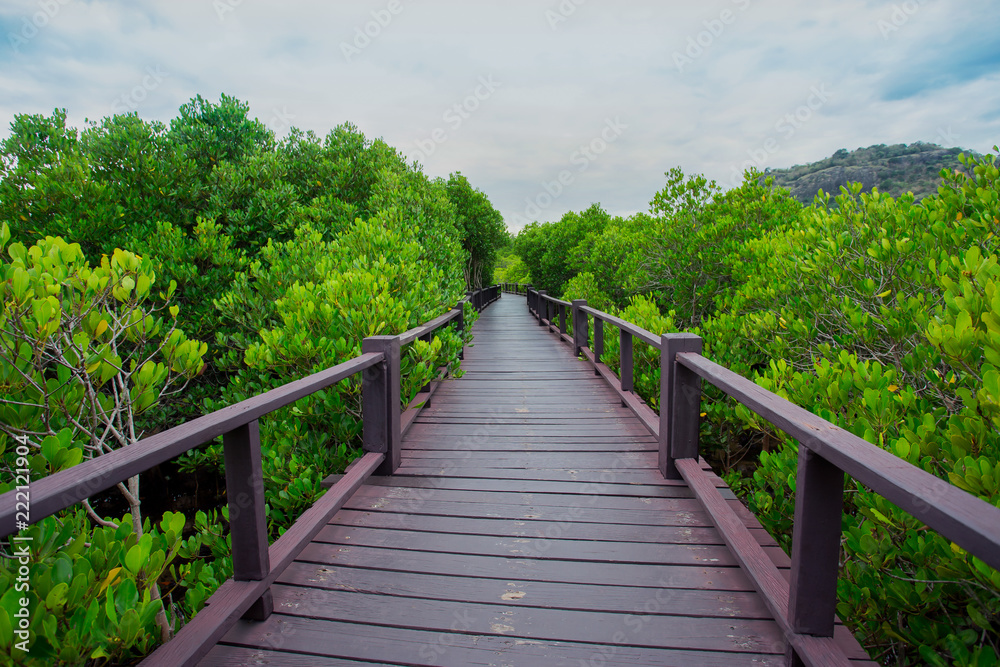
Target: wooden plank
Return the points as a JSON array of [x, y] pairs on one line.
[[227, 656], [496, 445], [452, 648], [637, 517], [688, 553], [582, 497], [523, 593], [706, 633], [608, 475], [533, 486], [539, 528], [704, 577]]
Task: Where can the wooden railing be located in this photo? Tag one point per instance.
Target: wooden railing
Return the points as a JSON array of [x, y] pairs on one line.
[[256, 565], [484, 297], [515, 288], [804, 606]]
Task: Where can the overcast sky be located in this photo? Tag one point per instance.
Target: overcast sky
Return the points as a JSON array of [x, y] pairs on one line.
[[546, 106]]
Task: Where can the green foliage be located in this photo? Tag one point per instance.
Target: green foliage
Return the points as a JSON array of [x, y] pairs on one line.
[[584, 286], [85, 349], [89, 590], [483, 230], [285, 254], [545, 248], [510, 268]]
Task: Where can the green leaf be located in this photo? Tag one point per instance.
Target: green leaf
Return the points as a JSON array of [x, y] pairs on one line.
[[134, 559]]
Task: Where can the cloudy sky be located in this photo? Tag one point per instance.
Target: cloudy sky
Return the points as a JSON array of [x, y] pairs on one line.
[[546, 105]]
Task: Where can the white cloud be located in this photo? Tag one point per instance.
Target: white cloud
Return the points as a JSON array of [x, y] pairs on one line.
[[755, 61]]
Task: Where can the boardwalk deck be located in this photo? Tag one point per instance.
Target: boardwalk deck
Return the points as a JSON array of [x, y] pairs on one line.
[[527, 525]]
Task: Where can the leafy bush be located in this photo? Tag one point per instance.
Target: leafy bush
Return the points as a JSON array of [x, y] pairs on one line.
[[284, 255]]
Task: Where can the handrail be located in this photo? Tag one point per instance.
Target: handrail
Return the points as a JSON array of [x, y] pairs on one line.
[[413, 334], [255, 563], [63, 489], [515, 288], [645, 336], [558, 302], [974, 526], [804, 606]]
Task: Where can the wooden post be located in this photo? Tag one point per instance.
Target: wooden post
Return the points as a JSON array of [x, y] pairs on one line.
[[581, 332], [680, 403], [380, 402], [247, 523], [598, 343], [460, 325], [562, 318], [427, 338], [542, 305], [625, 359], [819, 501]]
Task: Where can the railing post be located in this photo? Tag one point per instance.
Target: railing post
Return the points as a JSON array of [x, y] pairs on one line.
[[680, 403], [427, 338], [380, 402], [562, 318], [819, 502], [581, 333], [625, 359], [542, 306], [460, 325], [598, 343], [247, 523]]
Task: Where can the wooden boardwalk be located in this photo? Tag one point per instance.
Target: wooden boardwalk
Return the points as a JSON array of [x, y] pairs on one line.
[[528, 525]]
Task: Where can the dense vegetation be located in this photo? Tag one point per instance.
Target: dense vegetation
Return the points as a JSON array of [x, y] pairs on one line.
[[184, 267], [879, 314], [894, 170]]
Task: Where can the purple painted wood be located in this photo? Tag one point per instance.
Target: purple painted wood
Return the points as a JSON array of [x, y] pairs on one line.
[[562, 318], [680, 403], [542, 307], [819, 501], [380, 402], [598, 342], [68, 487], [970, 522], [625, 359], [581, 334], [247, 523], [642, 334]]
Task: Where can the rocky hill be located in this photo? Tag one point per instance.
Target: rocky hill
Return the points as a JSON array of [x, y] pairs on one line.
[[893, 169]]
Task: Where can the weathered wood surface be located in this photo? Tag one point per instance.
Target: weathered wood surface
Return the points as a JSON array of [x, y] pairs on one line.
[[527, 525]]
